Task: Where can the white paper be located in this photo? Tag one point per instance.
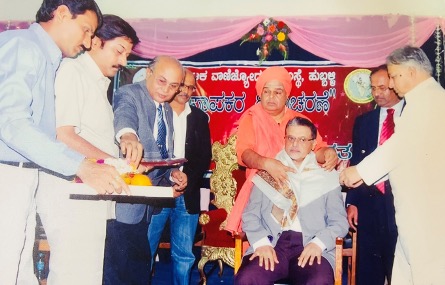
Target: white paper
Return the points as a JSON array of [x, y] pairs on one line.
[[205, 199]]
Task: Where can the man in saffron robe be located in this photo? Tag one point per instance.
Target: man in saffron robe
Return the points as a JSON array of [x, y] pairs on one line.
[[260, 137]]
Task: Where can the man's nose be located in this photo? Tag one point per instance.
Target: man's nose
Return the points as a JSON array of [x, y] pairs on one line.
[[391, 83], [123, 60], [87, 41]]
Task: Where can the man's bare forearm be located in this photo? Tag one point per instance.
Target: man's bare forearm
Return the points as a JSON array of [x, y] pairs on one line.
[[253, 160]]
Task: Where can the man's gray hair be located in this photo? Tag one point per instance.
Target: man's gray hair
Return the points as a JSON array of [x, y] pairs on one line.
[[412, 56]]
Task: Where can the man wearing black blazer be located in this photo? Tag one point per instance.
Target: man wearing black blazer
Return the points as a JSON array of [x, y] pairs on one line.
[[369, 209], [192, 141]]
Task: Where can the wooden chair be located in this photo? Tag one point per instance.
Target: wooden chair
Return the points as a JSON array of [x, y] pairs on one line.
[[345, 248]]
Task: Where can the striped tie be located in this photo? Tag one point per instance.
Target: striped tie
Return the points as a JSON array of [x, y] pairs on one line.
[[386, 133], [162, 133]]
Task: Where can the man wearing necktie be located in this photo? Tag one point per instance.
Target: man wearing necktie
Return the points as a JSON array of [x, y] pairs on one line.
[[161, 138], [371, 208], [141, 113]]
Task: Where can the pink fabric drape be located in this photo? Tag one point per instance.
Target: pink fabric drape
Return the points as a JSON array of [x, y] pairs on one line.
[[362, 41], [185, 37], [358, 41]]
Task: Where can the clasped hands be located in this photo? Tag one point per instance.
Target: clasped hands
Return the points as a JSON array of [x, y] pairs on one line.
[[267, 256], [180, 180]]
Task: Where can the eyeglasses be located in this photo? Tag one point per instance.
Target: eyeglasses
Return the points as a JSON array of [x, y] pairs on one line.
[[379, 88], [187, 88], [161, 81], [299, 140]]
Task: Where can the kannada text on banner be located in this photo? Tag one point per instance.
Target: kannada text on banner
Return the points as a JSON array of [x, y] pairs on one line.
[[332, 96]]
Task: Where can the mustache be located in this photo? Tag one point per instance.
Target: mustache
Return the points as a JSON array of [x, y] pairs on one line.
[[85, 48]]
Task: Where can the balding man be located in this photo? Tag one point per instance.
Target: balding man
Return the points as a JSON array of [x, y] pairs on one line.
[[192, 141], [141, 112]]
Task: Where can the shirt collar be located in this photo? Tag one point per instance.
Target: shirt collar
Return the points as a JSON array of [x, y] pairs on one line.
[[424, 84], [93, 69], [53, 52], [187, 109], [397, 108]]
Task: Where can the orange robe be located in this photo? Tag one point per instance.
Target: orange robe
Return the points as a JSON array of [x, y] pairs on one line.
[[258, 131]]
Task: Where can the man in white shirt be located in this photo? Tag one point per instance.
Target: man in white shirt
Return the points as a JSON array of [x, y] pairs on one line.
[[414, 159], [192, 141], [84, 119]]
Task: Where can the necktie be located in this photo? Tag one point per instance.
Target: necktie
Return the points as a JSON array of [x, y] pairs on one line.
[[162, 133], [386, 133], [286, 192]]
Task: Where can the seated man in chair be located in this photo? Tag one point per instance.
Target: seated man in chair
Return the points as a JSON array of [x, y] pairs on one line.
[[292, 231]]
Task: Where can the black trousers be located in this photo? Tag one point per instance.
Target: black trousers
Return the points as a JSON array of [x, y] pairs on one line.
[[127, 259], [377, 237]]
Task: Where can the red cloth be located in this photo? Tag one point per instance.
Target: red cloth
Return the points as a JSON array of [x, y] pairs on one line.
[[386, 133], [214, 236]]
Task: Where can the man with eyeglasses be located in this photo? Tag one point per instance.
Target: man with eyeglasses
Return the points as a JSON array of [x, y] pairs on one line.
[[292, 228], [414, 158], [142, 113], [260, 137], [371, 208], [192, 141]]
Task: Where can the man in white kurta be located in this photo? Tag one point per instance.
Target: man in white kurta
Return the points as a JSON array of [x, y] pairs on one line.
[[415, 161], [76, 229]]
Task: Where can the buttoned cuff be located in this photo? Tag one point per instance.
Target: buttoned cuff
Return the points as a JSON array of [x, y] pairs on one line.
[[262, 242], [318, 242], [125, 131]]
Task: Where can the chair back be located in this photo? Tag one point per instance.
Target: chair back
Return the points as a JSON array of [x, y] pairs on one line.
[[222, 184]]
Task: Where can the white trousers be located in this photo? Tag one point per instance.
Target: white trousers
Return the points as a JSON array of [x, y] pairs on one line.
[[75, 230], [17, 225]]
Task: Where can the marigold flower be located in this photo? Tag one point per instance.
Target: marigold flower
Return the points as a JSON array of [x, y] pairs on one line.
[[281, 36]]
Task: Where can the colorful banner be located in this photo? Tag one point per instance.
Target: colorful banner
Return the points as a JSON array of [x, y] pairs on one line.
[[332, 96]]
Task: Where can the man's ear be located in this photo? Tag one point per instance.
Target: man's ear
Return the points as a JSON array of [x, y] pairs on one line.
[[62, 12], [314, 143], [96, 43], [412, 71]]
